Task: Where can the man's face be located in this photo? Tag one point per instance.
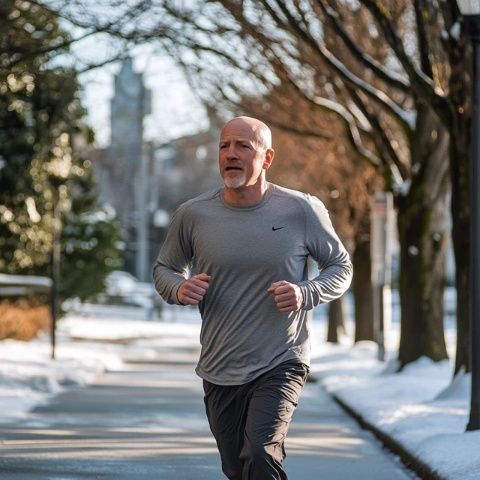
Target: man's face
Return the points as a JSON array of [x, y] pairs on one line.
[[242, 156]]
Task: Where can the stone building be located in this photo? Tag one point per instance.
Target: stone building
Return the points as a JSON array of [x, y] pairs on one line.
[[119, 167]]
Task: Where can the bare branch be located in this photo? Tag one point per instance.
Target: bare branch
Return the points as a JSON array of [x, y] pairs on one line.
[[348, 120], [420, 81], [398, 169], [287, 127], [388, 77], [380, 97], [112, 59], [43, 51], [422, 36], [113, 27]]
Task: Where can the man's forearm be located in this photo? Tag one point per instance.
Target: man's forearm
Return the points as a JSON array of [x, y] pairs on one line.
[[167, 282], [332, 282]]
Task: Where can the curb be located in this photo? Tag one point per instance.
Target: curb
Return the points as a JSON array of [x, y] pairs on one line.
[[424, 471]]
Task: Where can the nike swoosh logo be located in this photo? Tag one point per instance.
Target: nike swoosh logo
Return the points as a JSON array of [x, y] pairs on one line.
[[275, 229]]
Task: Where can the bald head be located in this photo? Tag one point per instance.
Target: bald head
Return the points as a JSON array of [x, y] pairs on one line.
[[249, 125]]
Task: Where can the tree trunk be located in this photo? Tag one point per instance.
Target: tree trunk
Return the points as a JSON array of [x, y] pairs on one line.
[[423, 239], [362, 291], [336, 321]]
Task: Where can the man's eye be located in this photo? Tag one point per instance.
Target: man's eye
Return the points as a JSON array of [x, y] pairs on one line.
[[245, 145]]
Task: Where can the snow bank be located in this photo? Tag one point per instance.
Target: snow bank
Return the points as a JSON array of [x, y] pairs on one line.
[[420, 407], [28, 375], [87, 346]]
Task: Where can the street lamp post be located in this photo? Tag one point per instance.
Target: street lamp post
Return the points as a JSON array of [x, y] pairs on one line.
[[55, 273], [470, 9], [56, 255]]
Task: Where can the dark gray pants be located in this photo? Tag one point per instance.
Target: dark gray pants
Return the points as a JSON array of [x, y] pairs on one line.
[[250, 422]]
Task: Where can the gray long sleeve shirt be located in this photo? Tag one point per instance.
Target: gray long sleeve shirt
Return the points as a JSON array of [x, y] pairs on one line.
[[244, 250]]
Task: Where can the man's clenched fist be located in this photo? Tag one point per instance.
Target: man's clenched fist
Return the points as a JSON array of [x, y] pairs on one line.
[[192, 290], [288, 296]]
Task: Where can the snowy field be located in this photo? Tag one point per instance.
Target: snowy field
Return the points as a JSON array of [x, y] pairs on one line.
[[420, 407]]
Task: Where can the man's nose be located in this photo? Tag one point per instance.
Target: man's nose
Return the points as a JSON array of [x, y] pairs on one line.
[[231, 152]]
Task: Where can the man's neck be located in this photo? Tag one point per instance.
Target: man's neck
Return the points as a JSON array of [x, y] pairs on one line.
[[246, 196]]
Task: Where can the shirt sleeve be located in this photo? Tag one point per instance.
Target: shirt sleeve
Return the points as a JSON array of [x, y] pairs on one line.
[[327, 250], [171, 267]]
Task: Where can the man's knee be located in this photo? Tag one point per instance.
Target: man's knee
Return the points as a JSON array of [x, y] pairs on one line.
[[258, 452]]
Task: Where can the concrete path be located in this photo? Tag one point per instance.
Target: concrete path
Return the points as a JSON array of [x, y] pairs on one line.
[[147, 422]]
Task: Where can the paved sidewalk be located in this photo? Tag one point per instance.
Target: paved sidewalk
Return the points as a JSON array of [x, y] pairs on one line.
[[147, 422]]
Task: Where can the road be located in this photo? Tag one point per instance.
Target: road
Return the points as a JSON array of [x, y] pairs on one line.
[[147, 422]]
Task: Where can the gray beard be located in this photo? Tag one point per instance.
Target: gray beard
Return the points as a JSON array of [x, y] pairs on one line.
[[235, 182]]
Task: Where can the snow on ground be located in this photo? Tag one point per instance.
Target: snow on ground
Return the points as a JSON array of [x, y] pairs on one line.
[[86, 346], [28, 376], [420, 407]]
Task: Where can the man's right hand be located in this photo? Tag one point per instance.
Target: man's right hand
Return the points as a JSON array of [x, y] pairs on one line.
[[192, 290]]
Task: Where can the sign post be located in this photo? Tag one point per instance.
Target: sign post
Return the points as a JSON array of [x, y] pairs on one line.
[[382, 224]]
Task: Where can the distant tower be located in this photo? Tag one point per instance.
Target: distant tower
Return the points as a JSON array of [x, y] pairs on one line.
[[127, 182]]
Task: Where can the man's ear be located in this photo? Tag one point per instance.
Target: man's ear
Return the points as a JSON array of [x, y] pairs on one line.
[[269, 155]]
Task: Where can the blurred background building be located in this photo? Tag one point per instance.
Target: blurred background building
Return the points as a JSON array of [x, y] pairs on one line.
[[145, 181]]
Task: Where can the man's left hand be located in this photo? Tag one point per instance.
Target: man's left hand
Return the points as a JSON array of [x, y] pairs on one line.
[[288, 296]]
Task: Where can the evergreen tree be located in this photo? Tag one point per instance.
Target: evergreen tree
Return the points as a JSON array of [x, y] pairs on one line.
[[90, 239], [41, 117]]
